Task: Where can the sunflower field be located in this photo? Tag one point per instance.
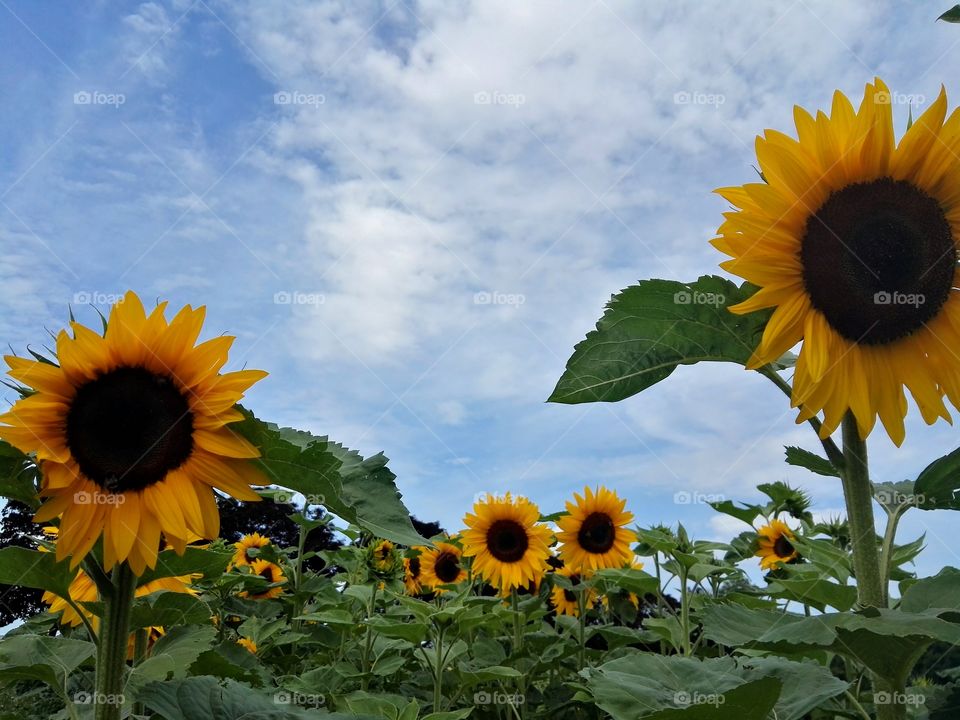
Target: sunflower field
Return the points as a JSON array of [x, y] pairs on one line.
[[126, 437]]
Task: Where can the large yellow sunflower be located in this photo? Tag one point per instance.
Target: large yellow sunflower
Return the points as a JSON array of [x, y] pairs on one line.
[[773, 545], [248, 542], [130, 432], [853, 240], [510, 548], [564, 601], [592, 532], [441, 565], [273, 574]]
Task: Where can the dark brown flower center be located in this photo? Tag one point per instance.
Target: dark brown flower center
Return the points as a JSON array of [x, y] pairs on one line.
[[507, 540], [878, 260], [447, 567], [128, 428], [782, 547], [267, 574], [569, 595], [414, 567], [597, 533]]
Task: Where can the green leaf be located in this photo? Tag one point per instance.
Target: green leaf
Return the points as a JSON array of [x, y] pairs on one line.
[[939, 593], [644, 685], [360, 490], [229, 660], [412, 632], [811, 461], [807, 585], [747, 513], [952, 15], [35, 569], [806, 684], [939, 482], [39, 657], [172, 656], [168, 609], [18, 476], [205, 698], [649, 329], [208, 563]]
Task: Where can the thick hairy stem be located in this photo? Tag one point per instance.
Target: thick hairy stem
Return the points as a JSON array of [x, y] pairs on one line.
[[112, 655]]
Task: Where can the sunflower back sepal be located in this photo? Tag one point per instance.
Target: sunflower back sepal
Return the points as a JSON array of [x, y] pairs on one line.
[[651, 328]]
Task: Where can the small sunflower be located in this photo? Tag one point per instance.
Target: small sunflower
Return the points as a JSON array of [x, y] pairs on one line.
[[852, 239], [247, 643], [245, 544], [441, 565], [130, 433], [383, 556], [565, 601], [592, 532], [774, 546], [272, 573], [83, 590], [510, 548], [154, 633], [412, 575]]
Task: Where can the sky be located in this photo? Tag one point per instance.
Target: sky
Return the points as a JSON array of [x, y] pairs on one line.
[[409, 213]]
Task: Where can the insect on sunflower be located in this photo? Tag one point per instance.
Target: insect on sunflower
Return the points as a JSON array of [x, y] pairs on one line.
[[130, 433], [852, 240], [773, 545], [510, 548], [592, 532]]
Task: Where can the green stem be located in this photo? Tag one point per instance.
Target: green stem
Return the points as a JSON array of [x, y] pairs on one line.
[[582, 620], [112, 651], [684, 611], [518, 642], [368, 641], [834, 455], [438, 672], [858, 495], [886, 550]]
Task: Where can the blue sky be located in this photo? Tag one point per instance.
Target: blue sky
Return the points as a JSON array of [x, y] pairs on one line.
[[383, 165]]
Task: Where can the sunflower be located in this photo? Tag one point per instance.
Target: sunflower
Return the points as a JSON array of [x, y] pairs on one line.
[[272, 573], [242, 555], [248, 644], [510, 548], [441, 565], [383, 556], [774, 546], [852, 240], [130, 433], [592, 532], [83, 590], [412, 576], [154, 633], [565, 601]]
